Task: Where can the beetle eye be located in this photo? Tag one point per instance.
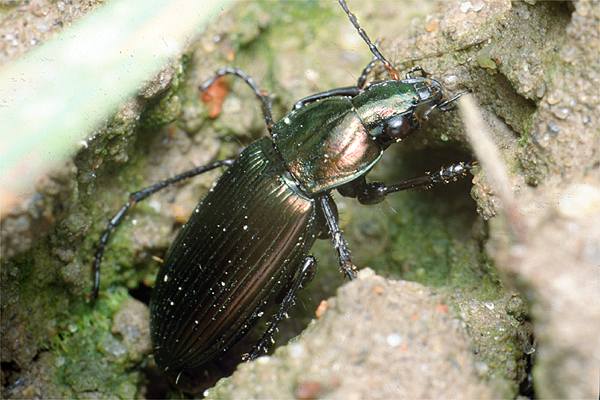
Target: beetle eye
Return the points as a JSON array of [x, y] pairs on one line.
[[397, 128]]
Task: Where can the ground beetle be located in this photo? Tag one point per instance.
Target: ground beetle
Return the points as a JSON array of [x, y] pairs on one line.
[[247, 243]]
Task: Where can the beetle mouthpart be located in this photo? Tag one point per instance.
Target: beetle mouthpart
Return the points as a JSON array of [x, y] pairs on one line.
[[449, 104]]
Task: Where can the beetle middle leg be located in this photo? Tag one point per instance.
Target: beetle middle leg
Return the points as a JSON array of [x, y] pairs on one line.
[[349, 91], [136, 197], [304, 275], [265, 99], [375, 192]]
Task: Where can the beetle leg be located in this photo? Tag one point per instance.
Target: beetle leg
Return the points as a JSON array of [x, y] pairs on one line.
[[349, 91], [265, 99], [362, 79], [449, 104], [340, 244], [306, 273], [136, 197], [416, 68], [375, 192]]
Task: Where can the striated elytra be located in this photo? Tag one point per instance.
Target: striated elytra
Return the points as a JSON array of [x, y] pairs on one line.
[[247, 243]]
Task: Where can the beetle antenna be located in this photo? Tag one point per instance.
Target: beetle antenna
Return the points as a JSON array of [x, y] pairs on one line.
[[363, 34]]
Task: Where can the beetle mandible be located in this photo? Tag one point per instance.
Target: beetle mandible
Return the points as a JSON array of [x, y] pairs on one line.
[[247, 242]]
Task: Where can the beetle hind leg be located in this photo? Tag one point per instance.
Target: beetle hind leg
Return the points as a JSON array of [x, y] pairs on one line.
[[134, 198], [305, 274]]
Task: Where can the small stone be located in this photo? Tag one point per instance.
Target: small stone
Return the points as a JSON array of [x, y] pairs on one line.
[[553, 99], [263, 360], [132, 323], [561, 112], [579, 200], [296, 350], [365, 273], [113, 348], [320, 311], [478, 6], [308, 390], [432, 25], [540, 90], [393, 340], [553, 127]]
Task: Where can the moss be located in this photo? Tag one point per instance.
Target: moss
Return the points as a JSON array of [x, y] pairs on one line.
[[43, 289], [167, 107], [93, 360], [484, 59]]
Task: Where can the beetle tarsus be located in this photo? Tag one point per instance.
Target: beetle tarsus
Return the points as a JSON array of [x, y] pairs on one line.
[[350, 270], [417, 68]]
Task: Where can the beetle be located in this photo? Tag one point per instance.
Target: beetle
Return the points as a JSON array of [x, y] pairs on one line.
[[247, 242]]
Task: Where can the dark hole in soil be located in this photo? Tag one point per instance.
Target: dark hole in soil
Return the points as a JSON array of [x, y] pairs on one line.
[[157, 386], [141, 293], [9, 369], [526, 388]]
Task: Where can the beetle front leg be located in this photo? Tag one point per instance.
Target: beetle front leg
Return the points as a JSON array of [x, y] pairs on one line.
[[362, 79], [349, 91], [306, 273], [375, 192], [340, 244], [265, 99]]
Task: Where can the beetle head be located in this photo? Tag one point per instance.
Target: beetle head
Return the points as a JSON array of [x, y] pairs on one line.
[[392, 110], [428, 95], [390, 114]]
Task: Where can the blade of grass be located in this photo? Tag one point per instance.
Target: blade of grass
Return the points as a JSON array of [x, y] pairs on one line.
[[54, 96]]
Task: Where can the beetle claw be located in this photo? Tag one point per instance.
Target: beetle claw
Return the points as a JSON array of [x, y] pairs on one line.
[[350, 270]]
